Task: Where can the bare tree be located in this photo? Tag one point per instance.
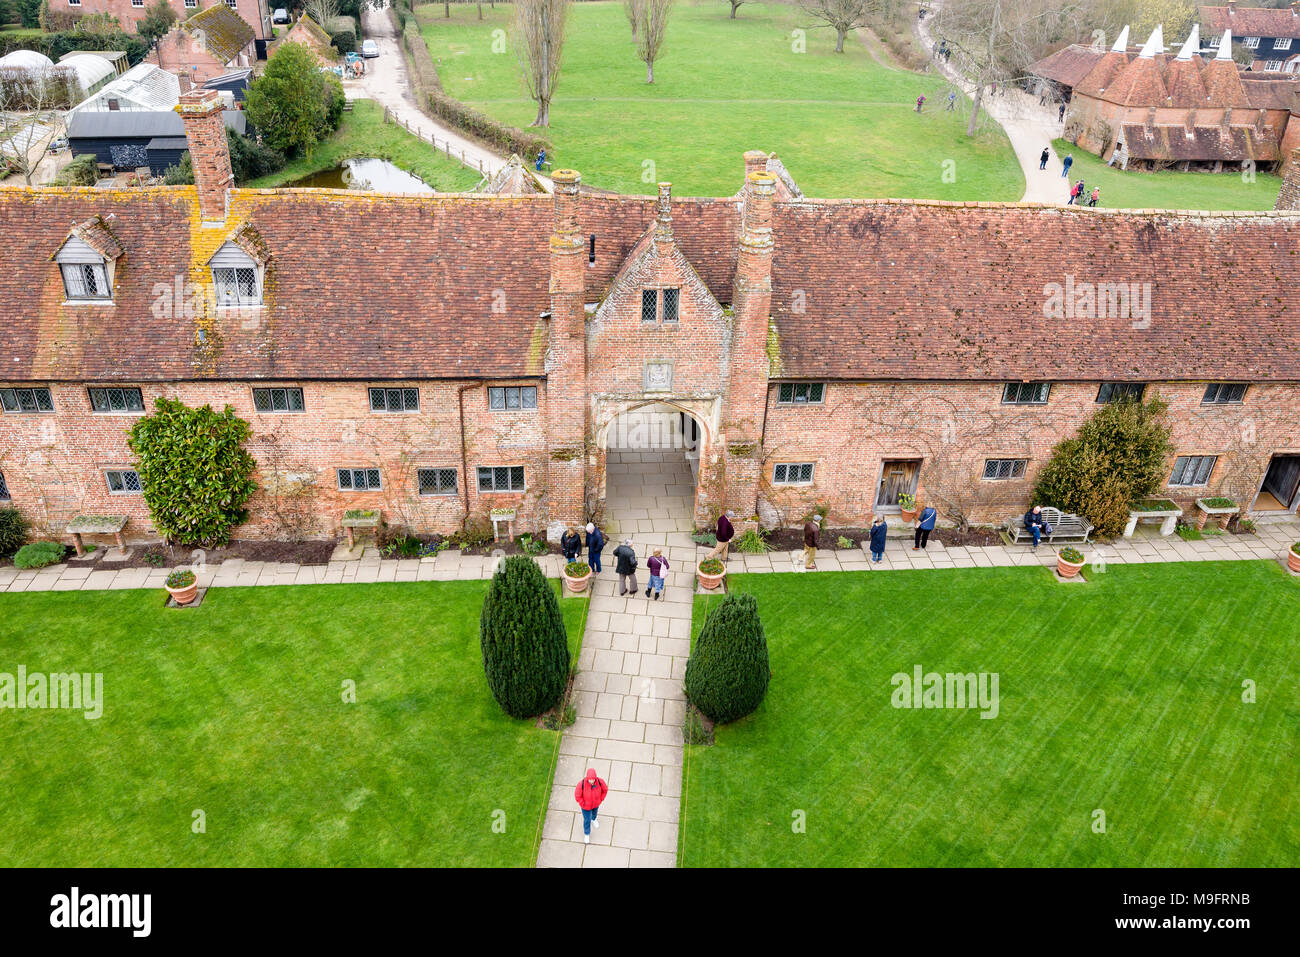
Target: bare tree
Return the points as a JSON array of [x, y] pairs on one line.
[[30, 120], [996, 40], [322, 11], [735, 5], [539, 43], [631, 11], [840, 15], [653, 21]]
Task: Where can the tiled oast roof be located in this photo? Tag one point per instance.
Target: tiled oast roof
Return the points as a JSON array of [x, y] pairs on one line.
[[1138, 84], [1183, 82]]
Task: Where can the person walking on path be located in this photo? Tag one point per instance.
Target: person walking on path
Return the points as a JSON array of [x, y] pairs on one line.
[[590, 792], [1060, 114], [879, 531], [595, 545], [725, 533], [1096, 195], [924, 526], [952, 102], [625, 567], [1074, 194], [1042, 160], [570, 544], [1068, 161], [920, 102], [658, 565], [810, 529]]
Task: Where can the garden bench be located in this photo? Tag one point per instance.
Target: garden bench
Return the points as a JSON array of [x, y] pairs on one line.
[[1064, 527], [96, 525]]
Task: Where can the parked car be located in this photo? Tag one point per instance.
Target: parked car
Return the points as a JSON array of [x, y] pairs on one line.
[[369, 48], [59, 144], [281, 15]]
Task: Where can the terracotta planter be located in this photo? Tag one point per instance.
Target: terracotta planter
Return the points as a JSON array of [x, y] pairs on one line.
[[183, 596], [1293, 561], [909, 514], [1068, 569], [710, 581], [576, 585]]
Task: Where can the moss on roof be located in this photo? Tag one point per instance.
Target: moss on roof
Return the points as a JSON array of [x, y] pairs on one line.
[[222, 31]]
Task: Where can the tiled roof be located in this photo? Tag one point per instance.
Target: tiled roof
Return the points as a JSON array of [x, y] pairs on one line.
[[1068, 66], [1232, 143], [1251, 21], [221, 30], [364, 285]]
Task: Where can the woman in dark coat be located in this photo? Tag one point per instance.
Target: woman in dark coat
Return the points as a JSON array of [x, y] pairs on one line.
[[879, 530], [571, 544]]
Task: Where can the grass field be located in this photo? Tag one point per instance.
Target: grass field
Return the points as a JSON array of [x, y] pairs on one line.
[[363, 133], [843, 124], [1123, 695], [235, 708], [1167, 189]]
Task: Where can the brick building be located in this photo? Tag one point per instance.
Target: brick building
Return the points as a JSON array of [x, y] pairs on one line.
[[209, 44], [436, 356], [129, 13]]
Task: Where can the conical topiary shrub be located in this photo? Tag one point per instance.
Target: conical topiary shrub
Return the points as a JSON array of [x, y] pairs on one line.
[[525, 652], [727, 675]]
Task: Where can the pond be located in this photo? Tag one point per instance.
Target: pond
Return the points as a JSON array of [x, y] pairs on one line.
[[374, 174]]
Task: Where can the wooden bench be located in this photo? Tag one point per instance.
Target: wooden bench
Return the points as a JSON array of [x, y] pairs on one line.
[[96, 525], [1064, 527]]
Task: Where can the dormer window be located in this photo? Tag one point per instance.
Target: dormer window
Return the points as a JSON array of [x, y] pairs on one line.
[[236, 277], [85, 272]]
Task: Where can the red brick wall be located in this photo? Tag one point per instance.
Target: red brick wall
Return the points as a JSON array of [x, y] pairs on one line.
[[129, 16], [187, 58]]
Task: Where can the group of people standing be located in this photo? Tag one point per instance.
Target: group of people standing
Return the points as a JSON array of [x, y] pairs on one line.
[[625, 559]]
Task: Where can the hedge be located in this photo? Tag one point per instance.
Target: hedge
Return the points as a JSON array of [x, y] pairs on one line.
[[55, 45], [503, 138], [345, 34]]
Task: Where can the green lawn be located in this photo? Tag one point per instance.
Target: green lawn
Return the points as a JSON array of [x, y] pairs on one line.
[[363, 133], [1124, 695], [235, 708], [843, 124], [1167, 189]]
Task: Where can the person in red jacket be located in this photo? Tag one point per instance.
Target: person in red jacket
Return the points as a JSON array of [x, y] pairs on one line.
[[589, 792]]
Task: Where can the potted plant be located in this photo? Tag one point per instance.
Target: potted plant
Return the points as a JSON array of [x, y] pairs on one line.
[[577, 575], [907, 505], [1220, 508], [182, 585], [711, 572], [1068, 562], [503, 513], [1293, 558]]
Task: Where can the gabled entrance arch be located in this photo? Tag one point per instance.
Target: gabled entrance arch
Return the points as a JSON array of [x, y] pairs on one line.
[[656, 448]]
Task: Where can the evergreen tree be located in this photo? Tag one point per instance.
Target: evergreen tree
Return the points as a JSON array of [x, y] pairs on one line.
[[521, 630], [727, 675]]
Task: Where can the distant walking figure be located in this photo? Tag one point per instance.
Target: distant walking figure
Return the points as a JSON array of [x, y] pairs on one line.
[[658, 565], [589, 793], [595, 545], [924, 526], [879, 532], [725, 533], [1060, 114], [1096, 195], [1042, 160], [810, 530], [1068, 162], [570, 544], [952, 101], [920, 101], [625, 567]]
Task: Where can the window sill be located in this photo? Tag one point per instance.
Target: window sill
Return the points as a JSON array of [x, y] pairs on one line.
[[89, 302]]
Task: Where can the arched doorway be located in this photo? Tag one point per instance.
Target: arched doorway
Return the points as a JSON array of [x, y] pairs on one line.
[[653, 452]]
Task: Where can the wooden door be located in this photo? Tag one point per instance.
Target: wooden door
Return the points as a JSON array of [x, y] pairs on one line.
[[1282, 478], [897, 477]]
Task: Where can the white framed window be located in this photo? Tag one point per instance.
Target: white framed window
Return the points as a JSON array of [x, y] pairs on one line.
[[85, 273], [231, 4], [278, 400], [123, 482], [1213, 42], [394, 400], [509, 398], [26, 400], [4, 489], [1282, 43], [115, 399], [1192, 469], [1026, 393], [359, 480], [1251, 43], [1001, 470], [1220, 393], [74, 3], [191, 4], [1119, 391], [498, 478], [236, 277], [137, 3], [800, 393], [1272, 65], [792, 473], [436, 481]]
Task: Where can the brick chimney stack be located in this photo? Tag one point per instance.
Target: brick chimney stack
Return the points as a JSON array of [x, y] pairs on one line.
[[1232, 7], [755, 162], [664, 220], [566, 363], [752, 309], [1288, 196], [205, 132]]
